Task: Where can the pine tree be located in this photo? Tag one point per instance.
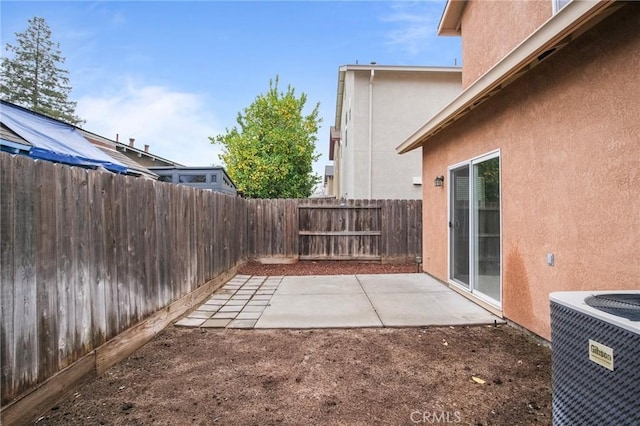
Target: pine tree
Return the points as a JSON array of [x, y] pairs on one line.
[[32, 78]]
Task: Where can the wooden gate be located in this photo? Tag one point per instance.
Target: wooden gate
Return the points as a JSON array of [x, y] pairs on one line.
[[335, 232]]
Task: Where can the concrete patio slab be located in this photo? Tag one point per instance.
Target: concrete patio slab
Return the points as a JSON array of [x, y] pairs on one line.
[[318, 311], [338, 301], [435, 308], [329, 284], [400, 283]]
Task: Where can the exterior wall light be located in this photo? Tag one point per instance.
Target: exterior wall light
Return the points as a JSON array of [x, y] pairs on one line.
[[439, 180]]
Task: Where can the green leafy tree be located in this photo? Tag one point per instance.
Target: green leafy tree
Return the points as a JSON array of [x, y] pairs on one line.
[[270, 153], [32, 76]]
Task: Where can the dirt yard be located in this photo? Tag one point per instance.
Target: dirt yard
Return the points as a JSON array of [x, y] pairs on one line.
[[439, 375]]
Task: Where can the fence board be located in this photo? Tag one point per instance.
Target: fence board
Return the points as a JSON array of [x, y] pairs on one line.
[[46, 269], [7, 244], [98, 266], [85, 262], [123, 254], [25, 317], [161, 210], [64, 265], [109, 269]]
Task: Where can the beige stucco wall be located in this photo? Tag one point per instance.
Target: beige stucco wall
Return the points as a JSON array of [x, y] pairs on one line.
[[401, 102], [491, 29], [569, 135]]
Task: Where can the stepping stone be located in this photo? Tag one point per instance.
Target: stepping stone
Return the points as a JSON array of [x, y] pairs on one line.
[[216, 323], [200, 314], [249, 316], [225, 315], [254, 308], [243, 323], [214, 302], [241, 297], [190, 322], [261, 297]]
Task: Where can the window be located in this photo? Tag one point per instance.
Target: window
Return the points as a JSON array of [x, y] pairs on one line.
[[474, 221], [168, 178], [192, 179]]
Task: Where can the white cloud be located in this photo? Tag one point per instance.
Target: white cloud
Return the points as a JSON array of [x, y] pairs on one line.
[[414, 24], [175, 124]]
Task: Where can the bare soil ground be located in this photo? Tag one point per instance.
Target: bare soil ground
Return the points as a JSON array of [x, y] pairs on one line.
[[438, 375]]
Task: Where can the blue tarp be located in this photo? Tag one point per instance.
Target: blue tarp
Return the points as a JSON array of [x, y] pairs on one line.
[[56, 141]]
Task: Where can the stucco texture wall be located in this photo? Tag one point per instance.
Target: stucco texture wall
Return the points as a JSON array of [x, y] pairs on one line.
[[401, 102], [492, 29], [569, 135]]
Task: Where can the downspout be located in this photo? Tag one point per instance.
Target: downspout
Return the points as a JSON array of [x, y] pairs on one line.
[[370, 133]]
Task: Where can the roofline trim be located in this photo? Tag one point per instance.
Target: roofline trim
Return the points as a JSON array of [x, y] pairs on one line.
[[410, 68], [342, 70], [575, 18], [451, 16]]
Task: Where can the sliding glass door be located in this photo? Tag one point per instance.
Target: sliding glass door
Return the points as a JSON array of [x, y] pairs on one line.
[[459, 225], [474, 237]]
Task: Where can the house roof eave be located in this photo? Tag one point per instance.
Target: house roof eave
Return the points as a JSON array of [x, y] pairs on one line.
[[574, 19], [342, 71], [450, 21]]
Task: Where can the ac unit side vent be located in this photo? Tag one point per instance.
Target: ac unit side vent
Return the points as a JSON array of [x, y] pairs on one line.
[[585, 392]]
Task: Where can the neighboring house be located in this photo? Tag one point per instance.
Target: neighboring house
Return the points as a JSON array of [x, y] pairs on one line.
[[40, 137], [110, 148], [376, 106], [12, 142], [143, 157], [539, 155], [328, 181], [210, 178]]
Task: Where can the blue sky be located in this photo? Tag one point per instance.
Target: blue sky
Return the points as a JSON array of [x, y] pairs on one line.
[[170, 74]]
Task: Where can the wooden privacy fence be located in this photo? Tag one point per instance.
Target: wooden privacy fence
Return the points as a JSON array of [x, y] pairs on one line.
[[86, 254], [326, 229]]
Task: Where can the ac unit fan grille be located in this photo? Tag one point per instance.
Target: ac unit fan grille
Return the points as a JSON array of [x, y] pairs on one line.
[[623, 305]]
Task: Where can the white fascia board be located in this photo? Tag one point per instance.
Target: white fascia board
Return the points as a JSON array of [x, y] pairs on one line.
[[552, 35], [339, 95], [397, 68], [450, 21], [407, 68]]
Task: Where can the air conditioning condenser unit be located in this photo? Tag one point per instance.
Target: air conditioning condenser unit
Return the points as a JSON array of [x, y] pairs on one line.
[[595, 344]]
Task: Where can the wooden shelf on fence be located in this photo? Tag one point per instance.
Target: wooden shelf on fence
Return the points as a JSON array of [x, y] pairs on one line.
[[328, 206]]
